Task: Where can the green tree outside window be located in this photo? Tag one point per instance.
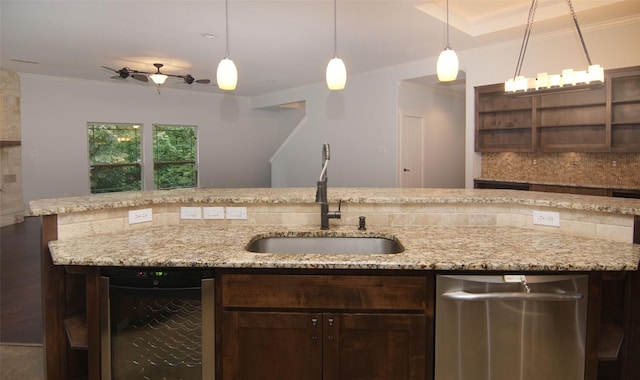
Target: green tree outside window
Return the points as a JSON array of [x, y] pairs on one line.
[[174, 157], [114, 157]]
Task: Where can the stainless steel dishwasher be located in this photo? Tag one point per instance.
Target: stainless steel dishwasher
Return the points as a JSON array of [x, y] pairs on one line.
[[513, 327]]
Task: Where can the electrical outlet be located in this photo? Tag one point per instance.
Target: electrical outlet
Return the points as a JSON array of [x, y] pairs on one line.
[[213, 212], [236, 213], [140, 216], [546, 218], [190, 213]]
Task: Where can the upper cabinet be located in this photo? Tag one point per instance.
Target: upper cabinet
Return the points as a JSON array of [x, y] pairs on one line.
[[600, 120], [503, 123], [624, 87]]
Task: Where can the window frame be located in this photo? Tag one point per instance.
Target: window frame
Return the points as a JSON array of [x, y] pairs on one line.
[[139, 164], [157, 164]]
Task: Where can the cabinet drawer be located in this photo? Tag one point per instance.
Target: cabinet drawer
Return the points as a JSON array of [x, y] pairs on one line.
[[324, 291]]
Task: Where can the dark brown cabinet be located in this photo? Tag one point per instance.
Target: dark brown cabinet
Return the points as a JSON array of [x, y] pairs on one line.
[[572, 121], [581, 190], [323, 345], [325, 326], [502, 123], [625, 110], [606, 119], [571, 190]]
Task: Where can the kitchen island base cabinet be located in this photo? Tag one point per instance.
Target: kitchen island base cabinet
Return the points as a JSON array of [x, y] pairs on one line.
[[318, 331], [323, 346]]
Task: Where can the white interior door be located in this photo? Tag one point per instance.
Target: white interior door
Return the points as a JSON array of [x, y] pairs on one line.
[[411, 151]]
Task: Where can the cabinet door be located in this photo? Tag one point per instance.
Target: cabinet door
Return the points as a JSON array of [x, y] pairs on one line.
[[272, 345], [374, 346]]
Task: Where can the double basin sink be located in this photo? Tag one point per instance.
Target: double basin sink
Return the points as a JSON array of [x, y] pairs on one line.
[[332, 245]]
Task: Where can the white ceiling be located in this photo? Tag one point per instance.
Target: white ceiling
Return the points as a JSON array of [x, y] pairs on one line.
[[276, 44]]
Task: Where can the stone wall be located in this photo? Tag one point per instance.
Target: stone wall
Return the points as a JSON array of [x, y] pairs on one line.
[[11, 201], [609, 170]]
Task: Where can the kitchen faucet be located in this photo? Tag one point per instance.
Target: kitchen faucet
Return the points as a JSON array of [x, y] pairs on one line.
[[321, 192]]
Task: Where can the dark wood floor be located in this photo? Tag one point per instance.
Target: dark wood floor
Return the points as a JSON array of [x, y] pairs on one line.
[[20, 293]]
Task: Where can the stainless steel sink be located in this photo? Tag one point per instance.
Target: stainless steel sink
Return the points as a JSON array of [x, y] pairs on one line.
[[364, 245]]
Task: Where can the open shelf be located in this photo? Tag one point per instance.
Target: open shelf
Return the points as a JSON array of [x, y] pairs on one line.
[[504, 110], [76, 328], [611, 338], [605, 119]]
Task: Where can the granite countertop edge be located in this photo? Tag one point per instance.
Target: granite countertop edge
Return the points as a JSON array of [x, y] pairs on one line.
[[346, 195], [471, 248]]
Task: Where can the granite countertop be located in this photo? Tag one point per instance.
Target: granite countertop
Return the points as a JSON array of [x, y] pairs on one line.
[[347, 195], [426, 248]]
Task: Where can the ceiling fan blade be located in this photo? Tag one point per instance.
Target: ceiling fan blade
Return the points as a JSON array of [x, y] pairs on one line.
[[123, 73], [140, 77], [203, 81], [110, 69], [117, 77]]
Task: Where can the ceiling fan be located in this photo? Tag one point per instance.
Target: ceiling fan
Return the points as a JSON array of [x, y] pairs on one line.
[[156, 77]]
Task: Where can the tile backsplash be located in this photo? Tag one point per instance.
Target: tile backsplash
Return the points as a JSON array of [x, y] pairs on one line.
[[612, 170]]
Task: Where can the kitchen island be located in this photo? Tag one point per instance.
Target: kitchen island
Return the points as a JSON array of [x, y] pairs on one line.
[[440, 230]]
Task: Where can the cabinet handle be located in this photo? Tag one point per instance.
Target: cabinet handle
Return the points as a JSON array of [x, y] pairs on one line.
[[314, 323], [330, 321]]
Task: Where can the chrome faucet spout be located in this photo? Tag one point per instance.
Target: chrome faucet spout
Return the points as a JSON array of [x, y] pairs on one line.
[[321, 192], [326, 153]]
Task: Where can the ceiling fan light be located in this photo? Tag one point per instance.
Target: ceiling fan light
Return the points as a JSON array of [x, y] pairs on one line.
[[447, 67], [336, 74], [227, 75], [158, 79]]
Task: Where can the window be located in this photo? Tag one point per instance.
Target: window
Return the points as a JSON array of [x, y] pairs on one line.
[[114, 157], [174, 157]]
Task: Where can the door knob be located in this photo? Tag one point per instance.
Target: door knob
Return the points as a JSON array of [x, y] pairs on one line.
[[406, 170]]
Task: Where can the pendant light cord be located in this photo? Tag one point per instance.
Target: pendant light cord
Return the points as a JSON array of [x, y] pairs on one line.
[[226, 21], [527, 33], [335, 28], [525, 38], [575, 21], [447, 46]]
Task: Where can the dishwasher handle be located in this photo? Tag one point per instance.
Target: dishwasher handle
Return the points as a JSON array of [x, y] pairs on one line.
[[512, 296]]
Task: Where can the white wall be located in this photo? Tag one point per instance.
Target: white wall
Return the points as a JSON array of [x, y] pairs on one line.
[[237, 136], [442, 110], [235, 142], [359, 124], [361, 121]]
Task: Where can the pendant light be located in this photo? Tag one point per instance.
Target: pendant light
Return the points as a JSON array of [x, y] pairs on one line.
[[447, 67], [227, 74], [336, 71]]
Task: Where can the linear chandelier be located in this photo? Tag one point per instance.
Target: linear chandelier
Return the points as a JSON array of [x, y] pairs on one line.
[[568, 81]]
